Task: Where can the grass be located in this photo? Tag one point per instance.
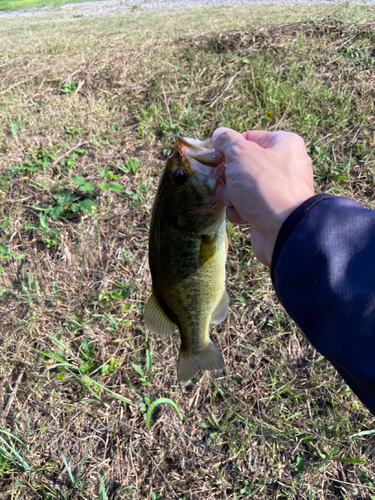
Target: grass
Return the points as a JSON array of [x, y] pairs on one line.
[[87, 107], [10, 5]]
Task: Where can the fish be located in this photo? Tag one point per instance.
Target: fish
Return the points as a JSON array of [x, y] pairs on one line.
[[187, 254]]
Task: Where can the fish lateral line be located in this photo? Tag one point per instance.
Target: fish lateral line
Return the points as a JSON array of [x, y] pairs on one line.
[[205, 237]]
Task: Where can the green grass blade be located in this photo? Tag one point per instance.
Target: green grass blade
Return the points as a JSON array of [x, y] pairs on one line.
[[90, 381], [364, 433], [68, 468], [158, 402], [83, 460], [102, 489], [22, 461]]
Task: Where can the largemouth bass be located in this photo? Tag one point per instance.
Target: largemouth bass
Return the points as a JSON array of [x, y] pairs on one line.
[[187, 252]]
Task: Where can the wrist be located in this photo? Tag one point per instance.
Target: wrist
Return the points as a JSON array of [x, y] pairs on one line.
[[264, 236], [262, 247], [277, 218]]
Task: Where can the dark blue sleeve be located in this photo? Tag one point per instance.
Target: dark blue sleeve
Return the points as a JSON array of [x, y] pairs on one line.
[[323, 271]]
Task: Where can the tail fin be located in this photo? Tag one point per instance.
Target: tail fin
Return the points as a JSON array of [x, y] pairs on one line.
[[190, 364]]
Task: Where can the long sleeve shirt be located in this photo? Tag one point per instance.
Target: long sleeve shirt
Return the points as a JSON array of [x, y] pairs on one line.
[[323, 271]]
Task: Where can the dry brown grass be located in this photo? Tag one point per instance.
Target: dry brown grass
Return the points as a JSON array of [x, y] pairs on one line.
[[279, 423]]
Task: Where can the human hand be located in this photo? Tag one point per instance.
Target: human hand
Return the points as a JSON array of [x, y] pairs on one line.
[[268, 175]]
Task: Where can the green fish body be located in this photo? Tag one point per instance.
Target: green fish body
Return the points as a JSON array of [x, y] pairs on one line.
[[187, 252]]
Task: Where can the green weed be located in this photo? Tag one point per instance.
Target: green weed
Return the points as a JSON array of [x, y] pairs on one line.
[[15, 126], [151, 408], [68, 204], [69, 161], [72, 131], [36, 161], [127, 257], [119, 291], [107, 173], [83, 185], [68, 87], [49, 234], [112, 186], [75, 479], [67, 361], [6, 254], [144, 378], [10, 453], [130, 165]]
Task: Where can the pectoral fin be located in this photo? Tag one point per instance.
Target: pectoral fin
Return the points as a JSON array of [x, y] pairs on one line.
[[221, 310], [156, 319], [190, 364]]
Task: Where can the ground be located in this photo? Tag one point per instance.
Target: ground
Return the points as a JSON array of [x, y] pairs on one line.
[[87, 107]]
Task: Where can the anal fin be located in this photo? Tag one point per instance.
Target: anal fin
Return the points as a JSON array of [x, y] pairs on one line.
[[156, 319], [221, 310]]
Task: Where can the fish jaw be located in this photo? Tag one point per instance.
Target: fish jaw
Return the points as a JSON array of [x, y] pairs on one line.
[[204, 160], [202, 151]]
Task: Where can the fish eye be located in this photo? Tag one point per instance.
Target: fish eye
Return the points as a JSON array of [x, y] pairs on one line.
[[180, 177]]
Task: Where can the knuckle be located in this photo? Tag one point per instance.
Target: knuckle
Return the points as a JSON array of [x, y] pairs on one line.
[[299, 140], [295, 141], [237, 148]]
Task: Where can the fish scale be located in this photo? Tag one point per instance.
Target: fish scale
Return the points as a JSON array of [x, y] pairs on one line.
[[187, 251]]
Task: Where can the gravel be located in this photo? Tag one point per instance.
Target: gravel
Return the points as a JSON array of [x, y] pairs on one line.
[[112, 7]]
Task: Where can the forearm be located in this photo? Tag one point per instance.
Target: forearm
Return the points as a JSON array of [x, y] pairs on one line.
[[323, 270]]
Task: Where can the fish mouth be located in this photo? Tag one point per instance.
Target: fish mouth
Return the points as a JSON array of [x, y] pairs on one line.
[[201, 151], [215, 171], [203, 158], [212, 207]]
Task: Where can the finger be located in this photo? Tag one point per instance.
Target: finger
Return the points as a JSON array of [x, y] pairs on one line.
[[257, 136], [251, 135], [269, 140], [223, 176], [222, 196], [219, 131], [224, 137], [235, 217]]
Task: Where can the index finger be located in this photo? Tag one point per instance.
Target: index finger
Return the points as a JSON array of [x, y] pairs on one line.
[[277, 138], [267, 140], [233, 145], [257, 136], [224, 137]]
